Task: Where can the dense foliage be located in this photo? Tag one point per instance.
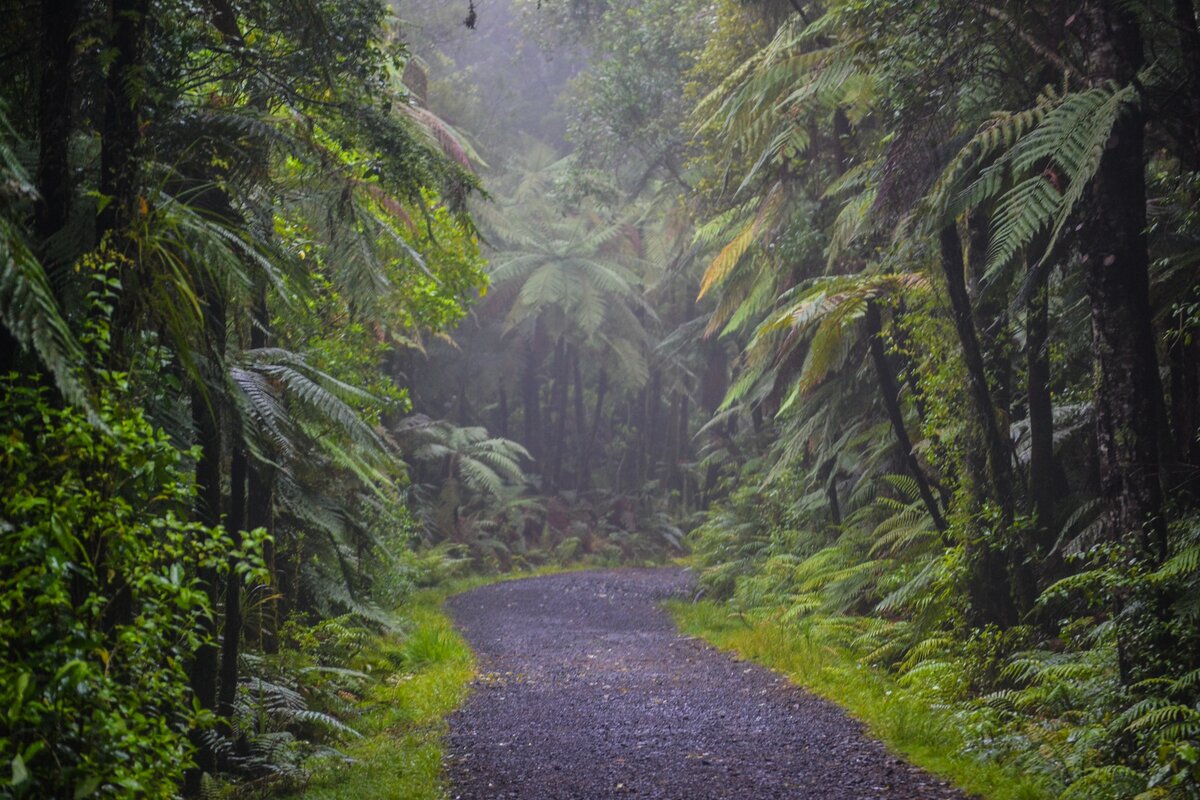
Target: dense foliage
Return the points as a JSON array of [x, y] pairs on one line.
[[890, 304], [219, 222], [893, 304]]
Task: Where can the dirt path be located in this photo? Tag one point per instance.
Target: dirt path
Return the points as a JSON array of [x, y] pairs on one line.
[[587, 691]]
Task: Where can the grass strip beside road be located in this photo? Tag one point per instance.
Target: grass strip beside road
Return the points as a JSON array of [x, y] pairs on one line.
[[403, 722], [927, 736]]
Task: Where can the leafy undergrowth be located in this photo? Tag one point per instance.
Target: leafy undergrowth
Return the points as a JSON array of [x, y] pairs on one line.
[[927, 735], [402, 717], [399, 754]]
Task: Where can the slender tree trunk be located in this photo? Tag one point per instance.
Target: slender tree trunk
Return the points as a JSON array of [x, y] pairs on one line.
[[232, 637], [532, 405], [835, 507], [585, 469], [683, 451], [1189, 46], [581, 426], [890, 392], [984, 409], [1128, 390], [559, 399], [1183, 354], [996, 585], [502, 413], [652, 432], [206, 416], [671, 444], [55, 118], [1041, 418], [1116, 262], [119, 140], [121, 131]]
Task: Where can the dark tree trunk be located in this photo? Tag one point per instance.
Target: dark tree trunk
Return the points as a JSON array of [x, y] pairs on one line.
[[1183, 354], [585, 469], [531, 401], [559, 399], [581, 427], [890, 392], [119, 140], [502, 413], [999, 576], [652, 430], [1189, 46], [995, 442], [682, 451], [1128, 394], [55, 118], [641, 409], [121, 133], [232, 636], [1116, 262], [671, 444], [206, 417], [835, 507], [1041, 419]]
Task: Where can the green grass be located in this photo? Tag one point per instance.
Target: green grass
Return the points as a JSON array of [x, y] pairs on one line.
[[403, 722], [928, 737]]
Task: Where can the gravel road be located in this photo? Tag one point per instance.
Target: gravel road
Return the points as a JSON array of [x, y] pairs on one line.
[[585, 690]]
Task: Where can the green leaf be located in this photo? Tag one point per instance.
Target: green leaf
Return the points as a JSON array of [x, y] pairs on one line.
[[19, 773]]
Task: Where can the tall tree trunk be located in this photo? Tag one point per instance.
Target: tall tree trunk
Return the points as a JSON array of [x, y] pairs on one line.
[[585, 469], [121, 131], [55, 118], [559, 399], [983, 408], [1116, 263], [1001, 582], [652, 430], [1041, 418], [890, 392], [501, 422], [671, 444], [531, 401], [1128, 390], [119, 140], [206, 417], [1189, 46], [581, 426], [232, 636], [683, 451], [1183, 355]]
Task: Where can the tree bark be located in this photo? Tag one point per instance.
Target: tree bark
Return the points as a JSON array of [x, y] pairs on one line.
[[890, 392], [984, 410], [55, 117], [532, 404], [1116, 266], [232, 636], [121, 132], [1000, 583], [585, 469], [557, 418], [207, 420], [502, 412], [1041, 419], [1183, 354], [1189, 46], [1128, 395], [581, 427]]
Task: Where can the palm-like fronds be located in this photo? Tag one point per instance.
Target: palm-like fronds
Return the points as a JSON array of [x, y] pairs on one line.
[[28, 307]]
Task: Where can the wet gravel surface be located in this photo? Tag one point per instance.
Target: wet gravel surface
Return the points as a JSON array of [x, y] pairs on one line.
[[586, 690]]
